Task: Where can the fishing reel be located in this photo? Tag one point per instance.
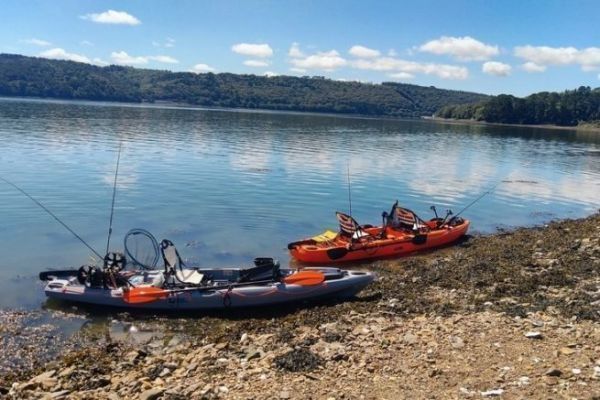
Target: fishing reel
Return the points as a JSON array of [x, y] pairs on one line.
[[90, 276], [114, 262]]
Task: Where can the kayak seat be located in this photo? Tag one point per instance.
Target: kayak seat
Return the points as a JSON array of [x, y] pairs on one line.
[[189, 275], [264, 269], [349, 228], [405, 219], [174, 265]]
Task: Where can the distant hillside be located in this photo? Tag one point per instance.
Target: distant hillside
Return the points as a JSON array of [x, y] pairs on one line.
[[38, 77], [569, 108]]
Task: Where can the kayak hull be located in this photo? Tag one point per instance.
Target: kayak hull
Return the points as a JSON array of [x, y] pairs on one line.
[[394, 244], [259, 295]]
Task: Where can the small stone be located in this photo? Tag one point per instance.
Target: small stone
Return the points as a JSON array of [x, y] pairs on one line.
[[49, 383], [44, 375], [492, 393], [284, 395], [410, 338], [59, 395], [576, 371], [152, 394], [244, 338], [223, 389], [523, 381], [567, 351], [554, 372], [534, 335], [456, 342]]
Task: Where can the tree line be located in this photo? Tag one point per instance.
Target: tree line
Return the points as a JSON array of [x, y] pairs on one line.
[[39, 77], [568, 108]]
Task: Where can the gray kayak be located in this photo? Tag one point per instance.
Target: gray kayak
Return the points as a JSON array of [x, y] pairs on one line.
[[220, 289]]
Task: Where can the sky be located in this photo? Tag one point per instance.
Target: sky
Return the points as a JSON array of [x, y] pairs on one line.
[[515, 47]]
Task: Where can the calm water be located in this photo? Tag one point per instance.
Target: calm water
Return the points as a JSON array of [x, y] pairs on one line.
[[228, 186]]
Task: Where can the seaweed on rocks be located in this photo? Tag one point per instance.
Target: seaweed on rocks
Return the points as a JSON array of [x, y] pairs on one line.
[[298, 360]]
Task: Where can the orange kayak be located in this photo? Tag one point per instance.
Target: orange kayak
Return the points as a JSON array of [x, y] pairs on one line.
[[377, 242]]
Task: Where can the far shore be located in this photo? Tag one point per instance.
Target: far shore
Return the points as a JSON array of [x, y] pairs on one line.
[[587, 128], [176, 105]]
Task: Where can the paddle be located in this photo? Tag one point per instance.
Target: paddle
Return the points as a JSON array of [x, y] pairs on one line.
[[141, 295], [305, 278]]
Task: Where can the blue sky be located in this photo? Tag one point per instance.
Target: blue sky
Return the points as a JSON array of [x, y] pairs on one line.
[[516, 47]]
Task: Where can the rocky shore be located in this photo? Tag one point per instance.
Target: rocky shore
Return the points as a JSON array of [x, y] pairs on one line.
[[511, 315]]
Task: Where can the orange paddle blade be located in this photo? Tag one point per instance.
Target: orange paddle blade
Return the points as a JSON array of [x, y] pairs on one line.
[[305, 278], [140, 295]]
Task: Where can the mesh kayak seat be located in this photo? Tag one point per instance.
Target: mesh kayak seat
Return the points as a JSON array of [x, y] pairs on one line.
[[406, 219], [349, 227], [175, 265]]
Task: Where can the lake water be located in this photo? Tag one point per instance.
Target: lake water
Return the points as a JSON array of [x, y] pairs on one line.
[[227, 186]]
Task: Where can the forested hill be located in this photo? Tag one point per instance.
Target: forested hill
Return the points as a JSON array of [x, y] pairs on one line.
[[38, 77], [569, 108]]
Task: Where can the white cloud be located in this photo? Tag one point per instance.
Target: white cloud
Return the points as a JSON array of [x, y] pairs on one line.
[[86, 43], [588, 58], [461, 48], [256, 63], [391, 64], [327, 61], [530, 66], [363, 52], [253, 50], [496, 68], [298, 70], [401, 75], [99, 61], [60, 54], [122, 58], [164, 59], [37, 42], [392, 53], [295, 51], [202, 68], [270, 74], [112, 17]]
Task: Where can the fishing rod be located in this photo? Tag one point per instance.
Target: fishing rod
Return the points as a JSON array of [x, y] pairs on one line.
[[112, 207], [349, 191], [474, 201], [52, 215]]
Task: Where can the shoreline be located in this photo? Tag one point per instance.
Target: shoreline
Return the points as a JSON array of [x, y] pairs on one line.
[[514, 314], [580, 128], [185, 106]]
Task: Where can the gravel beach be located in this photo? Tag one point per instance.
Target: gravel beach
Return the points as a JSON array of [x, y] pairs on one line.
[[510, 315]]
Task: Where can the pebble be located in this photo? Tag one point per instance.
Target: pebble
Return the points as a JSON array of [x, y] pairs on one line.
[[534, 335], [554, 372], [492, 393], [567, 351], [152, 394]]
